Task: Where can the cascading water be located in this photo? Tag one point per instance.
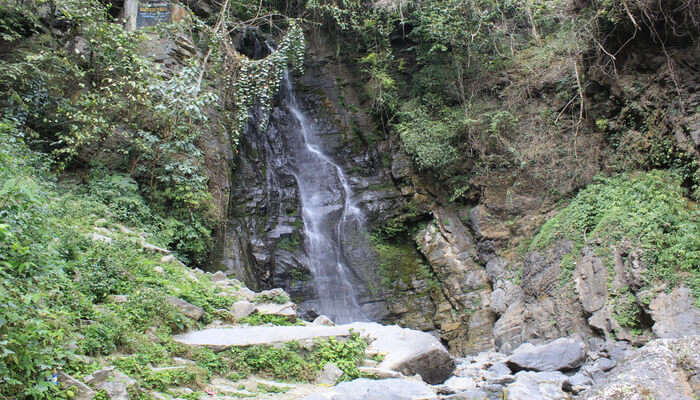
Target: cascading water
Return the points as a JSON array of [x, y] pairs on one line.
[[327, 208]]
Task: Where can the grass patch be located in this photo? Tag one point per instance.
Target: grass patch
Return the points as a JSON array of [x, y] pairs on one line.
[[292, 362]]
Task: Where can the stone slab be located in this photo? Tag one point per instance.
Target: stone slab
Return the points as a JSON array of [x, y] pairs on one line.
[[222, 338]]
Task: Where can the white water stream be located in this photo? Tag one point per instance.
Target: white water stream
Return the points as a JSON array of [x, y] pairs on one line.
[[327, 206]]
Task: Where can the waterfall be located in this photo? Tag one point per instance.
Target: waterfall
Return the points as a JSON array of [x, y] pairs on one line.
[[327, 208]]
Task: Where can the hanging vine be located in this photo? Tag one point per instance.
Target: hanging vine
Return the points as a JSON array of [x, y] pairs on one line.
[[247, 82], [259, 80]]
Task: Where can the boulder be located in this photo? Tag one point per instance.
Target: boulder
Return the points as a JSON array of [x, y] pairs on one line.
[[100, 238], [246, 293], [578, 383], [383, 389], [675, 314], [329, 375], [218, 276], [323, 320], [662, 369], [190, 310], [475, 394], [408, 351], [460, 384], [560, 355], [369, 363], [81, 390], [223, 338], [153, 248], [113, 382], [380, 373], [530, 385], [286, 310], [242, 309], [273, 295], [604, 364]]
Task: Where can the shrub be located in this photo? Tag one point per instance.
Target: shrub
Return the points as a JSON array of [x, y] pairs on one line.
[[649, 210]]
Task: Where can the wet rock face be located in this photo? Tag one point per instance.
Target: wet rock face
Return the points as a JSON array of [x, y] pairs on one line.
[[264, 243]]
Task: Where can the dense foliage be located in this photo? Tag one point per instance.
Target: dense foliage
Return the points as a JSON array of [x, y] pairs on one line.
[[57, 263], [293, 362], [480, 88], [90, 99], [646, 211]]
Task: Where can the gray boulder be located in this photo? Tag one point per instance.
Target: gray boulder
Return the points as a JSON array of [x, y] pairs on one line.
[[578, 383], [458, 384], [81, 390], [219, 339], [560, 355], [530, 385], [329, 375], [663, 369], [476, 394], [408, 351], [379, 373], [190, 310], [323, 320], [286, 310], [242, 309], [117, 298], [383, 389], [218, 276], [112, 381]]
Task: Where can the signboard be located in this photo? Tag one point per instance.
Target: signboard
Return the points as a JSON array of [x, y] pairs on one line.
[[152, 13]]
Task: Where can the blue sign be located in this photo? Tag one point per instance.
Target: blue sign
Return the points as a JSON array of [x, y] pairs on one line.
[[152, 13]]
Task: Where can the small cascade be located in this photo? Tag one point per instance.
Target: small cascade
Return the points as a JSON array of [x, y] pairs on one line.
[[327, 209]]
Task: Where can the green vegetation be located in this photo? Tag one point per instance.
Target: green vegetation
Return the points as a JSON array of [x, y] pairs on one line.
[[280, 298], [262, 319], [47, 257], [488, 87], [400, 264], [55, 271], [290, 243], [293, 362], [627, 312], [109, 106], [647, 211]]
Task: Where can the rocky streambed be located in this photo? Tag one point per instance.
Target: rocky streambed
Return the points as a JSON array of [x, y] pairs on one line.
[[401, 363]]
